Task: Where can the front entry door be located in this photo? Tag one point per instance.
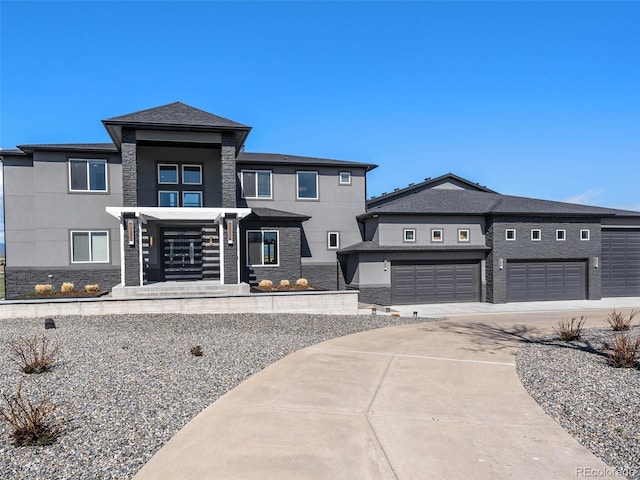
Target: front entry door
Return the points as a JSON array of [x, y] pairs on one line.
[[182, 253]]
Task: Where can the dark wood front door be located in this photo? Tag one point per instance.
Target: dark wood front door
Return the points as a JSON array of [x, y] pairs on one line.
[[182, 253]]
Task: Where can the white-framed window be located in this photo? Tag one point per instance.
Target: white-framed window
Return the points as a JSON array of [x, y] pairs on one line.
[[191, 198], [168, 198], [167, 174], [510, 234], [585, 235], [561, 235], [256, 183], [262, 248], [192, 174], [333, 240], [437, 235], [536, 234], [409, 235], [89, 246], [345, 178], [87, 175], [307, 185], [463, 235]]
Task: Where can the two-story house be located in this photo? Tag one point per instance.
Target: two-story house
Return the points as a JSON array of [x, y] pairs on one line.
[[174, 197]]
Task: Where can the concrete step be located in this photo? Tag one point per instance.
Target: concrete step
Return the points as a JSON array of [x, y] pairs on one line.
[[201, 288]]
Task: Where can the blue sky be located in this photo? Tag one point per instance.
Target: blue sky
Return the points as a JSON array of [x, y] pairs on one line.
[[527, 98]]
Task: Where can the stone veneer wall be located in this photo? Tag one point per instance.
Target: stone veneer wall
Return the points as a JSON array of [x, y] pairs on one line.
[[129, 169], [229, 178], [374, 295], [19, 281], [328, 276]]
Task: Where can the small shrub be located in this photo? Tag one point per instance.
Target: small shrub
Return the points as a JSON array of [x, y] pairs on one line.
[[91, 288], [624, 351], [285, 283], [302, 282], [67, 287], [34, 354], [30, 424], [196, 351], [570, 329], [265, 284], [43, 289], [619, 322]]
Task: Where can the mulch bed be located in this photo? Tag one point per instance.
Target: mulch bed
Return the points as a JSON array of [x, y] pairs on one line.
[[280, 288], [72, 294]]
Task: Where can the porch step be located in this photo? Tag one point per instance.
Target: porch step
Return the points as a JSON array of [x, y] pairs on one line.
[[198, 288]]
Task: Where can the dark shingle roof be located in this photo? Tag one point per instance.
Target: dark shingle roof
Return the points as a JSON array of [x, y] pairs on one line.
[[283, 159], [85, 147], [175, 114], [371, 246], [467, 202], [265, 213]]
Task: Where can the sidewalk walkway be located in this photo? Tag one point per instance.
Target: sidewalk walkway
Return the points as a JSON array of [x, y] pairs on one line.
[[421, 401]]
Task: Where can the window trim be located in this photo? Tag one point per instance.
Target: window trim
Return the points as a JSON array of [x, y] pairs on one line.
[[177, 192], [90, 232], [539, 231], [506, 235], [337, 245], [460, 240], [298, 197], [340, 178], [433, 232], [87, 160], [262, 232], [199, 167], [177, 182], [257, 197], [564, 235], [588, 232], [404, 235], [184, 192]]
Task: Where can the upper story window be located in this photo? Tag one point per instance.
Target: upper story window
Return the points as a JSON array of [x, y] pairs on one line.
[[333, 240], [409, 235], [510, 234], [536, 235], [191, 199], [585, 234], [192, 174], [561, 235], [256, 183], [436, 235], [307, 183], [167, 174], [167, 198], [87, 175], [345, 178], [463, 235], [90, 247]]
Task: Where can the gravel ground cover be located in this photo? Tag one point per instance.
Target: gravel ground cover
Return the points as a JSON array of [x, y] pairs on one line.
[[128, 383], [597, 404]]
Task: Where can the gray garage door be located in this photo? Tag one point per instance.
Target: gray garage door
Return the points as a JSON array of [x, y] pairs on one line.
[[531, 281], [620, 263], [435, 283]]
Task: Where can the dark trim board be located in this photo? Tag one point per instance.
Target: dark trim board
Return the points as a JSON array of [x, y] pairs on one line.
[[535, 280]]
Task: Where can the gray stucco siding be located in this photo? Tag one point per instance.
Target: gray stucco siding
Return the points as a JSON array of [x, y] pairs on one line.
[[391, 229], [523, 248]]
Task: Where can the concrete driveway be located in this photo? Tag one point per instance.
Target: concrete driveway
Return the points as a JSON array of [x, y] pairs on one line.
[[433, 400]]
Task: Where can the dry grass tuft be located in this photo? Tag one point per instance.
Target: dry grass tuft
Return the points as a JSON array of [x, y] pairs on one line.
[[34, 354], [570, 329]]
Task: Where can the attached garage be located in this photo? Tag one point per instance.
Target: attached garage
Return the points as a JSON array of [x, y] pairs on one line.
[[435, 283], [620, 263], [531, 281]]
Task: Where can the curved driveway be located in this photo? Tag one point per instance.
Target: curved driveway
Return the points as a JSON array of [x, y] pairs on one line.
[[433, 400]]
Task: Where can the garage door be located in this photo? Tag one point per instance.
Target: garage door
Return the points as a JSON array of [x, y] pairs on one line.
[[435, 283], [620, 263], [531, 281]]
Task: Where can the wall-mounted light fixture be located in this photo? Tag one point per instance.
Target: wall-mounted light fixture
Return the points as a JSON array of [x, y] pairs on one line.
[[150, 241], [501, 264], [131, 230], [386, 265], [595, 262], [211, 240], [230, 232]]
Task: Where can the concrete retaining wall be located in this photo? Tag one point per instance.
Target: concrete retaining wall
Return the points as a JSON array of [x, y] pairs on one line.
[[330, 303]]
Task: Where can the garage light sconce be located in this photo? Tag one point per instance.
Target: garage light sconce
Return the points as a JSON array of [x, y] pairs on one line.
[[595, 262], [386, 265], [501, 264], [230, 232], [131, 230]]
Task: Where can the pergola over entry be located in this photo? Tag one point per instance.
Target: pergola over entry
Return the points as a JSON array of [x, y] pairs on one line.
[[132, 218]]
